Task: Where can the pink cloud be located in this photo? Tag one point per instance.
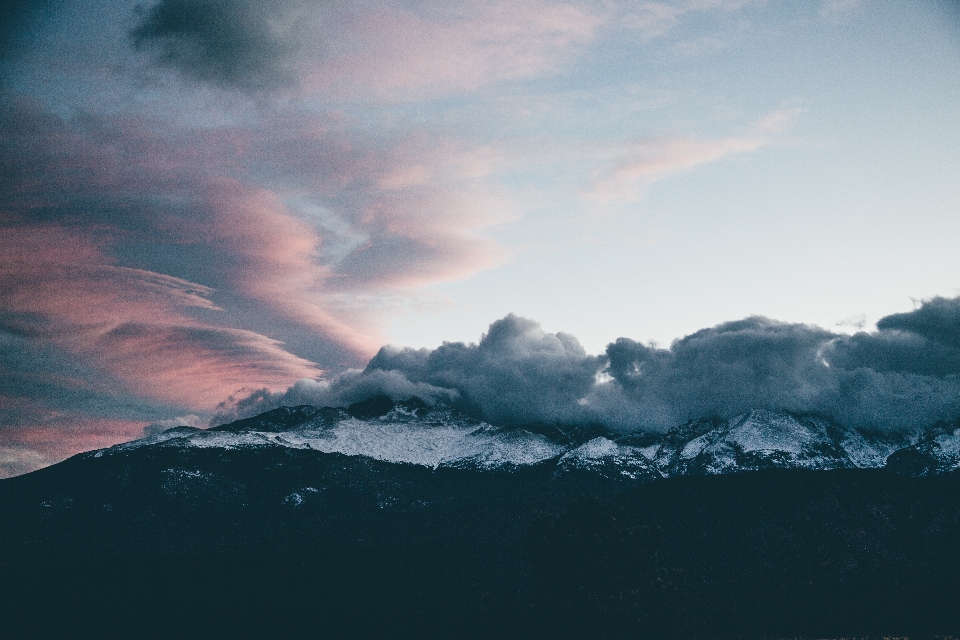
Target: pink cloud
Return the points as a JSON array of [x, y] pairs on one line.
[[50, 435], [276, 259], [438, 48], [649, 160], [33, 446], [195, 366], [395, 214], [129, 323], [398, 214], [53, 271]]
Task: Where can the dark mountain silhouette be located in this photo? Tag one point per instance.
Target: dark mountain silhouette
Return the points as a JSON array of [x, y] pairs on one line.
[[401, 520]]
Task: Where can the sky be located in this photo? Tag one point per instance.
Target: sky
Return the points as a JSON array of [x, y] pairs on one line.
[[633, 213]]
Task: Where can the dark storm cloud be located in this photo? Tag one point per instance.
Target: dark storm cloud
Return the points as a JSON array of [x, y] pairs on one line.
[[885, 380], [517, 374], [895, 351], [937, 319], [722, 371], [925, 341], [902, 377], [231, 43]]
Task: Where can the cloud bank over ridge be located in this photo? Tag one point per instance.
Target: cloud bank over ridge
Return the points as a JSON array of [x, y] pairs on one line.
[[902, 377]]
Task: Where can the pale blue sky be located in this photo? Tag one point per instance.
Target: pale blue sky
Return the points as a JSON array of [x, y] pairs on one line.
[[852, 207]]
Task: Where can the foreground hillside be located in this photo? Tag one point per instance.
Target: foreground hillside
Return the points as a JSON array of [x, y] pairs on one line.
[[230, 532]]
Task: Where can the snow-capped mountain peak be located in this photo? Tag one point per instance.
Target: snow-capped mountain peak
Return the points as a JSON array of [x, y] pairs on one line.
[[410, 432]]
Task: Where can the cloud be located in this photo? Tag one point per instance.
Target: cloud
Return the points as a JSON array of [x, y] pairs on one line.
[[887, 380], [58, 286], [35, 445], [657, 19], [723, 371], [925, 341], [937, 319], [303, 230], [835, 8], [891, 380], [15, 461], [189, 420], [54, 271], [392, 215], [649, 160], [273, 257], [435, 48], [360, 49], [192, 366], [243, 44], [516, 374], [150, 268]]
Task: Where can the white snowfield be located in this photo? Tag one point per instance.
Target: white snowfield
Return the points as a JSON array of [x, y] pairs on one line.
[[781, 439], [441, 439], [446, 438]]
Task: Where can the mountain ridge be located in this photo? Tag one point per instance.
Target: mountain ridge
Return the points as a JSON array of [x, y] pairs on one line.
[[412, 432], [407, 521]]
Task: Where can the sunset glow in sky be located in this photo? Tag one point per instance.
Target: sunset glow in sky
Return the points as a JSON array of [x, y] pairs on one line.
[[200, 199]]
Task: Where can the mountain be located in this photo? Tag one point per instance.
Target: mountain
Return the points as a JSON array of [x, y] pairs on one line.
[[763, 439], [410, 432], [396, 519], [937, 451]]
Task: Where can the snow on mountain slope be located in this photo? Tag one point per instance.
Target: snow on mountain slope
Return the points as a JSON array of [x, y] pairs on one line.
[[937, 452], [610, 459], [433, 439], [762, 439], [412, 433]]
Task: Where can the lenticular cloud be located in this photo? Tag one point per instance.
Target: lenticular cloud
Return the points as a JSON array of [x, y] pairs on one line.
[[902, 377]]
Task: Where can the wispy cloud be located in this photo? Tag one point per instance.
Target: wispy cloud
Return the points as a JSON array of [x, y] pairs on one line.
[[362, 49], [657, 19], [87, 194], [647, 161], [57, 286], [435, 48], [836, 8]]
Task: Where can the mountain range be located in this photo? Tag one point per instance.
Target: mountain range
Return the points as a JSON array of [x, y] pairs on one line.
[[397, 519], [410, 432]]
